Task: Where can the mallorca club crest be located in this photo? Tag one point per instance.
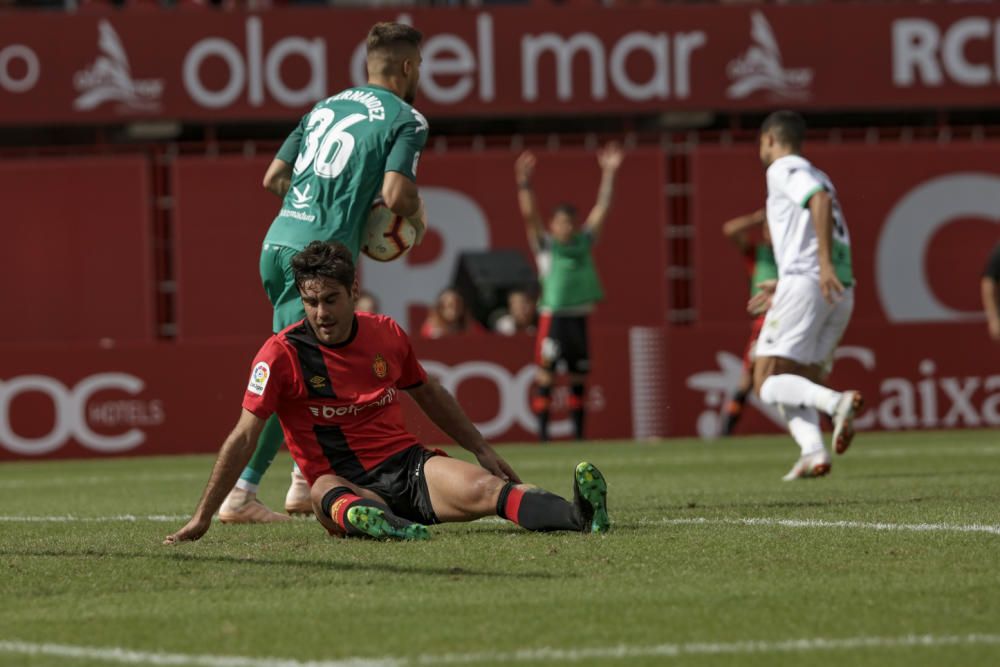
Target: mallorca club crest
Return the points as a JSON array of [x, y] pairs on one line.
[[380, 367]]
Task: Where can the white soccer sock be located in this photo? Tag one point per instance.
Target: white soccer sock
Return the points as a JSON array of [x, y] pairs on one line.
[[803, 424], [249, 487], [795, 390]]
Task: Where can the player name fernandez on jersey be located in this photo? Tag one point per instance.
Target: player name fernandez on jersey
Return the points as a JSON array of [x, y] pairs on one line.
[[376, 110]]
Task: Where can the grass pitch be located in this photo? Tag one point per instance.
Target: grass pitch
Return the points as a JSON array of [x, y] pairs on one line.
[[892, 560]]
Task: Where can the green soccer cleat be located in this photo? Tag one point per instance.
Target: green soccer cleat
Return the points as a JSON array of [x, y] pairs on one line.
[[590, 494], [374, 522]]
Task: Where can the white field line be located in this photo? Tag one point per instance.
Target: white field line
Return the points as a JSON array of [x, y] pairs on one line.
[[545, 654], [69, 518], [820, 523], [666, 521]]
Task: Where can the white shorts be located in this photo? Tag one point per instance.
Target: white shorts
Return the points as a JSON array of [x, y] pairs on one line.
[[801, 325]]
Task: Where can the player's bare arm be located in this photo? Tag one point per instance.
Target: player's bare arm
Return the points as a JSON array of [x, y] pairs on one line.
[[524, 171], [402, 197], [609, 159], [821, 208], [737, 228], [233, 457], [442, 409], [991, 305], [278, 177], [760, 302]]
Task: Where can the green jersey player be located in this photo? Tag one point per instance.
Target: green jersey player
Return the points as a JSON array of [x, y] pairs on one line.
[[570, 285], [349, 149]]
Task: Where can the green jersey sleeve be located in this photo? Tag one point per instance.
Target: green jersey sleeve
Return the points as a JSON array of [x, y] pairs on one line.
[[290, 149], [410, 139]]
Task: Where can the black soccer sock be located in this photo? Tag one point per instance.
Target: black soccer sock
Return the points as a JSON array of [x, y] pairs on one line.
[[537, 509], [541, 404], [576, 408], [339, 499]]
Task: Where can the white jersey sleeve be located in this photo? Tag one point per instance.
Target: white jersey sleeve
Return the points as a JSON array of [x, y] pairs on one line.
[[798, 184]]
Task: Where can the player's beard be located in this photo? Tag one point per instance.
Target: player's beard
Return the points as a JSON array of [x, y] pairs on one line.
[[410, 96]]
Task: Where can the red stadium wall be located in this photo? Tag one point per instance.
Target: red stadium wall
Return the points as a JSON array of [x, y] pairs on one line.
[[181, 396], [922, 218], [77, 260]]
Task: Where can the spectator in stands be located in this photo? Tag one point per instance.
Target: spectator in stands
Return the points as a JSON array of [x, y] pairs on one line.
[[449, 317], [366, 303], [521, 316], [990, 288]]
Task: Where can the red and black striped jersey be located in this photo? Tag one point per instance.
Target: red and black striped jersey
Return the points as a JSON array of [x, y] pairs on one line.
[[338, 404]]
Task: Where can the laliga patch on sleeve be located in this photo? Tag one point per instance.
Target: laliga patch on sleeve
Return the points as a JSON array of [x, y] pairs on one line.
[[258, 378]]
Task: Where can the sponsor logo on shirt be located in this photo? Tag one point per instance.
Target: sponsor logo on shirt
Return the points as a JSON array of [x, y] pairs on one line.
[[301, 198], [380, 367], [258, 378], [332, 411], [289, 213], [109, 79], [760, 67]]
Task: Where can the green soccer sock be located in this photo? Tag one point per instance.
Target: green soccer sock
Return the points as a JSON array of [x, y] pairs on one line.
[[268, 445]]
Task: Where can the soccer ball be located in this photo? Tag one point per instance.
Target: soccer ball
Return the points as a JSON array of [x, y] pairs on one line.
[[387, 236]]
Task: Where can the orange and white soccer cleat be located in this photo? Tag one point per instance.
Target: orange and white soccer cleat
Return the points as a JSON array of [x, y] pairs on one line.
[[849, 405], [242, 506], [298, 500], [816, 464]]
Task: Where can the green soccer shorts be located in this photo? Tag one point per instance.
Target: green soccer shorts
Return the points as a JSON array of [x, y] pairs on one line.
[[279, 284]]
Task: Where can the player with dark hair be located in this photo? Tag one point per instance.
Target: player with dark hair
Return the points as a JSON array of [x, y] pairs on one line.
[[758, 257], [570, 286], [812, 303], [334, 379], [989, 288], [362, 142]]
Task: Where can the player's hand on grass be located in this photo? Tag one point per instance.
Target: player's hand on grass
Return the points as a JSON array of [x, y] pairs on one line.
[[194, 530], [492, 462], [524, 168], [761, 301], [829, 284], [611, 156]]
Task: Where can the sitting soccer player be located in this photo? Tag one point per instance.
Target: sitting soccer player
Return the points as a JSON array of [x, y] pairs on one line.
[[334, 380]]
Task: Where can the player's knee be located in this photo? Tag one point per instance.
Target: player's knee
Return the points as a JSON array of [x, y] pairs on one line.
[[484, 491]]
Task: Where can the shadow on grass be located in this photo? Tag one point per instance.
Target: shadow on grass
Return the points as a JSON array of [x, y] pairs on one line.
[[170, 555]]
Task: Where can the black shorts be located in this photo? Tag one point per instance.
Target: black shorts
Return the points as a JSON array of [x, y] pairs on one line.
[[562, 338], [401, 483]]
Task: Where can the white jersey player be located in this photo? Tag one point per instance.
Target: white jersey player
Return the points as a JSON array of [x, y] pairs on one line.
[[813, 300]]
